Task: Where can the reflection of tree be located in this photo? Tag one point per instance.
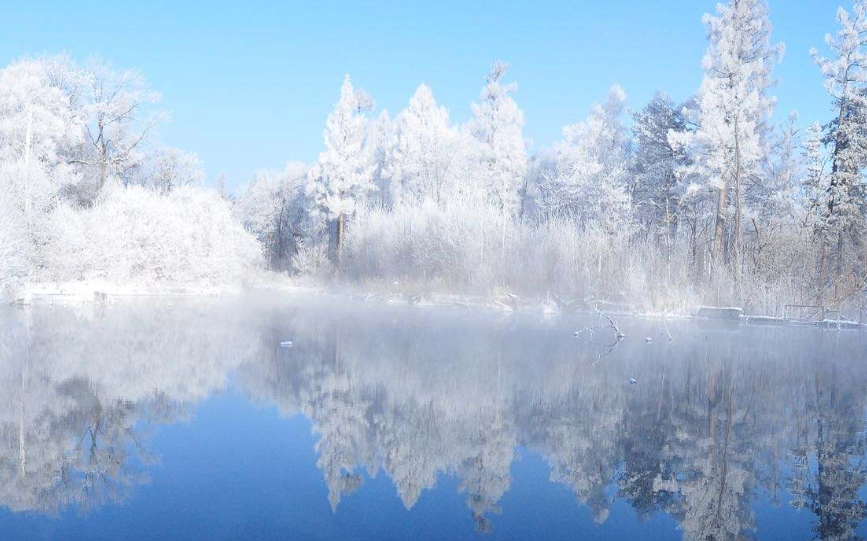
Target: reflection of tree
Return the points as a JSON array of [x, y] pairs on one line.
[[581, 443], [412, 443], [718, 470], [420, 395], [840, 448], [485, 475], [716, 421], [647, 432], [78, 391], [799, 482]]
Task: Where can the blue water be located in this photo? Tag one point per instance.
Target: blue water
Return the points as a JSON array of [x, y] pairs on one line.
[[186, 420]]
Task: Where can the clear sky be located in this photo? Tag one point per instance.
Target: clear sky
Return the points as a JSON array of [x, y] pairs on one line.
[[249, 84]]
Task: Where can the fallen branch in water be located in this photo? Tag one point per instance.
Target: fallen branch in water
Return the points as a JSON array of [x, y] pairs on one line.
[[618, 336]]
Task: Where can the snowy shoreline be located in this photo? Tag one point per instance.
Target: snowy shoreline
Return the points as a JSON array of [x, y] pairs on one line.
[[101, 292]]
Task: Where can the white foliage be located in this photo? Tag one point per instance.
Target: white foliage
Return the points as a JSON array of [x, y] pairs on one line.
[[187, 236], [343, 174], [164, 169], [846, 84], [272, 207], [379, 146], [421, 161], [118, 120], [13, 249], [500, 159], [733, 102], [590, 181]]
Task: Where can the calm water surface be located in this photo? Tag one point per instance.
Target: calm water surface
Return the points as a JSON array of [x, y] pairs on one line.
[[186, 420]]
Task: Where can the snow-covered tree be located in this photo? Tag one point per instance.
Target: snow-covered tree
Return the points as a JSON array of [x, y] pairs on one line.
[[846, 83], [774, 200], [273, 208], [591, 182], [379, 145], [734, 106], [658, 185], [420, 165], [343, 174], [165, 169], [118, 121], [38, 125], [135, 235], [815, 186], [497, 128]]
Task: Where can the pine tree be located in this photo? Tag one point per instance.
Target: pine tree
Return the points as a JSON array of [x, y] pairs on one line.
[[657, 161], [814, 185], [846, 83]]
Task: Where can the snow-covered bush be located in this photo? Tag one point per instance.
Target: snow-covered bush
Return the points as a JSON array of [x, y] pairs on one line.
[[471, 248], [459, 244], [13, 250], [273, 208], [312, 260], [186, 236]]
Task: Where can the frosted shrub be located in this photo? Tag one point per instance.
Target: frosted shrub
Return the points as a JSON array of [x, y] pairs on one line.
[[458, 245], [472, 248], [312, 260], [13, 250], [186, 236]]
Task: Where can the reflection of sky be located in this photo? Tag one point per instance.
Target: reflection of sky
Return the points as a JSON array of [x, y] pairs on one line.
[[240, 471]]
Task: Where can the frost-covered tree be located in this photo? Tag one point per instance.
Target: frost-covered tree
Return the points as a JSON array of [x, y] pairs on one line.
[[164, 169], [774, 200], [815, 186], [273, 207], [343, 174], [118, 121], [379, 145], [135, 235], [658, 186], [846, 83], [420, 165], [38, 125], [500, 151], [734, 105], [591, 182]]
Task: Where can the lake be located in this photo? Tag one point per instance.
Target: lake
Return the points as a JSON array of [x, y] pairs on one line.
[[172, 419]]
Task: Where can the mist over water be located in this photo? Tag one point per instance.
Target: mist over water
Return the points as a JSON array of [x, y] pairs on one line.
[[170, 419]]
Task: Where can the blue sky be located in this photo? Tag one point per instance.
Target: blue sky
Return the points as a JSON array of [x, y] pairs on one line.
[[249, 84]]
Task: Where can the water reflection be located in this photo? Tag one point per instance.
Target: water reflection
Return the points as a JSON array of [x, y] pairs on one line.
[[719, 420]]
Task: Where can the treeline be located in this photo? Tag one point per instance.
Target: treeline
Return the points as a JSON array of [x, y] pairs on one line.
[[701, 201]]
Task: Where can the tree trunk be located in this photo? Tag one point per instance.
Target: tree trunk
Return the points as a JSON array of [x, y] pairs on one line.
[[341, 224], [839, 145], [736, 252], [720, 228]]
